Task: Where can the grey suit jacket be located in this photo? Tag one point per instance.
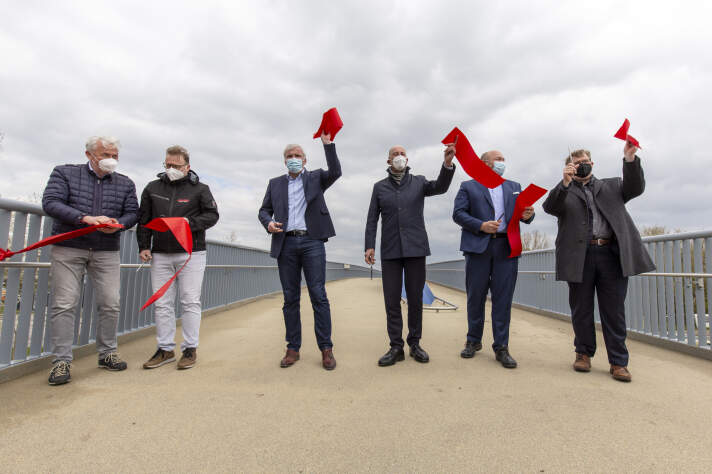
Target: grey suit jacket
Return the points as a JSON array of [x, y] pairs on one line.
[[611, 194]]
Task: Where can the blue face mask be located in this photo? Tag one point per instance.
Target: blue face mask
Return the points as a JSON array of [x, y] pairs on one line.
[[294, 165], [498, 167]]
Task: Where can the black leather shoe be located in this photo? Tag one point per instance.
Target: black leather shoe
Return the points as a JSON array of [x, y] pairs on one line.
[[417, 353], [505, 359], [394, 354], [470, 349]]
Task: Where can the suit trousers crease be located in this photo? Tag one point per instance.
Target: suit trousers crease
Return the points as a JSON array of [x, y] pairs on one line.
[[392, 271], [490, 271], [602, 274], [304, 253]]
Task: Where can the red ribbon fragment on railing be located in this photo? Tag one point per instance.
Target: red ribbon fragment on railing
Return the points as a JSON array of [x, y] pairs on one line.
[[622, 134], [7, 253], [525, 199], [180, 229], [330, 123], [470, 162]]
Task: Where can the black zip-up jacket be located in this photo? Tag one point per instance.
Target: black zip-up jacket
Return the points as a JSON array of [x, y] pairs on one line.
[[185, 197]]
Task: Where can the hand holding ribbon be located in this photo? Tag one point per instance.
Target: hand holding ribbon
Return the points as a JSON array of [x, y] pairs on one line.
[[470, 162], [7, 253], [180, 229], [525, 199]]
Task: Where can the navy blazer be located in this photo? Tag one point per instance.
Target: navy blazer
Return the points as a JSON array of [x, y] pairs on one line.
[[473, 206], [275, 205]]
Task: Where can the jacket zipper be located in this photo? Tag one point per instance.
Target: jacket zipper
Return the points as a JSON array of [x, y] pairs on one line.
[[173, 198]]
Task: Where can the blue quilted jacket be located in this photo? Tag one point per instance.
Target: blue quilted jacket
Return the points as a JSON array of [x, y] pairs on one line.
[[75, 191]]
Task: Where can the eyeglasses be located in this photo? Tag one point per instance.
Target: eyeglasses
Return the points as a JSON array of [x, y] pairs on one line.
[[172, 165]]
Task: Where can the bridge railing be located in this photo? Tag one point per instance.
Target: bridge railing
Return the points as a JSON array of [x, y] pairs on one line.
[[233, 273], [671, 304]]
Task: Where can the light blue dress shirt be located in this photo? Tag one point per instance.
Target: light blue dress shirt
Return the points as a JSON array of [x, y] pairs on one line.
[[297, 203], [498, 201]]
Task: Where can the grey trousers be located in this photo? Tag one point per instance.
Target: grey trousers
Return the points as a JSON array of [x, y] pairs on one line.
[[66, 276]]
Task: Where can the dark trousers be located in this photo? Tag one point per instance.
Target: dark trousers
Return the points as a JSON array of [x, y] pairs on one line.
[[392, 276], [491, 270], [602, 273], [303, 252]]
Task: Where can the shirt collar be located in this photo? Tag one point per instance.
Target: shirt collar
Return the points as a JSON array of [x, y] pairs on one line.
[[91, 170], [301, 173]]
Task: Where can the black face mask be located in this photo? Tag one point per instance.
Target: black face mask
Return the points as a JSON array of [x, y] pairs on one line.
[[583, 170]]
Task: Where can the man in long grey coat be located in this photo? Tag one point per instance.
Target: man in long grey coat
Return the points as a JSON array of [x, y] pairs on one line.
[[597, 248]]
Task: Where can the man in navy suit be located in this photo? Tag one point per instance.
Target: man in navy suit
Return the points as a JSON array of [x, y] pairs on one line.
[[483, 215], [294, 212]]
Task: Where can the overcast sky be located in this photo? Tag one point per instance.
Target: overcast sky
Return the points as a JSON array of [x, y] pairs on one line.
[[233, 82]]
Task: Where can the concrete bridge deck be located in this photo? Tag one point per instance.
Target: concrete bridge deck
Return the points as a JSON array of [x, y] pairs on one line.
[[238, 411]]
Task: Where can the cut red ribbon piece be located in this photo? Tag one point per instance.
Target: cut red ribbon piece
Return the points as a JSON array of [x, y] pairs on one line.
[[180, 229], [622, 133], [7, 253], [330, 123], [525, 199], [470, 162]]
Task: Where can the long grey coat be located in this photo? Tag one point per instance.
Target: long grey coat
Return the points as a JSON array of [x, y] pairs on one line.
[[611, 194]]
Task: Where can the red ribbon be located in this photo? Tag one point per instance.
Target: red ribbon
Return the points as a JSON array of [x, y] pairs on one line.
[[525, 199], [622, 133], [470, 162], [7, 253], [330, 123], [180, 229]]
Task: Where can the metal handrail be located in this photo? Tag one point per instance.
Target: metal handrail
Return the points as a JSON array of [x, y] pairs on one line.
[[551, 272]]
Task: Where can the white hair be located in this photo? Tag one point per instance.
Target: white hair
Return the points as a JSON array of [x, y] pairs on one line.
[[92, 142], [292, 146]]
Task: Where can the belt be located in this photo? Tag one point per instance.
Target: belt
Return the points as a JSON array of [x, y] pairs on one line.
[[600, 242], [296, 233], [499, 235]]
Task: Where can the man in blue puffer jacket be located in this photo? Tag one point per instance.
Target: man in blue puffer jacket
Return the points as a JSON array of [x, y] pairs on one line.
[[77, 196]]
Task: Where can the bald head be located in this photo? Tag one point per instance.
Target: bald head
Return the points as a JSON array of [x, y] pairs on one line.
[[491, 156]]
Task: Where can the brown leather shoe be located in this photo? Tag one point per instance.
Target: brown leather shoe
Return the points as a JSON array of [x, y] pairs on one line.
[[289, 358], [620, 373], [327, 359], [582, 363]]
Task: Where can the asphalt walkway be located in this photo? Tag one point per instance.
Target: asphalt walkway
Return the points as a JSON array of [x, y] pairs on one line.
[[237, 411]]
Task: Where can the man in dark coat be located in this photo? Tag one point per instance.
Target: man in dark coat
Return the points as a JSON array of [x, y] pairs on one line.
[[77, 196], [399, 199], [597, 248], [484, 215], [294, 212]]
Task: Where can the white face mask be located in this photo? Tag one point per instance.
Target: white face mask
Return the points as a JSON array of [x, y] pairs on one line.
[[498, 167], [108, 165], [174, 174], [399, 162]]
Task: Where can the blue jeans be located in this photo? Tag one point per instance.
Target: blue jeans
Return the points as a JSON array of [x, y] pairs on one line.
[[491, 270], [303, 252]]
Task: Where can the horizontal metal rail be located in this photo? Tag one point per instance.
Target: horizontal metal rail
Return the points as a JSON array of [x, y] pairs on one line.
[[551, 272]]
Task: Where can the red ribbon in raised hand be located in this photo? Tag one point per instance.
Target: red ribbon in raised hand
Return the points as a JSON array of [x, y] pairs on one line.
[[7, 253], [330, 124], [470, 162], [622, 133], [525, 199], [180, 229]]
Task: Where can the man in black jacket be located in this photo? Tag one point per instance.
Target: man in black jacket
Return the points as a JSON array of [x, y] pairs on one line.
[[597, 248], [77, 196], [399, 199], [177, 192]]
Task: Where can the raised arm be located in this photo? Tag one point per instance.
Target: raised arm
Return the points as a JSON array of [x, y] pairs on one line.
[[333, 166]]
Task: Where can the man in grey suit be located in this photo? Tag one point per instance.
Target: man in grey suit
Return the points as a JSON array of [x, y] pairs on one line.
[[597, 248]]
